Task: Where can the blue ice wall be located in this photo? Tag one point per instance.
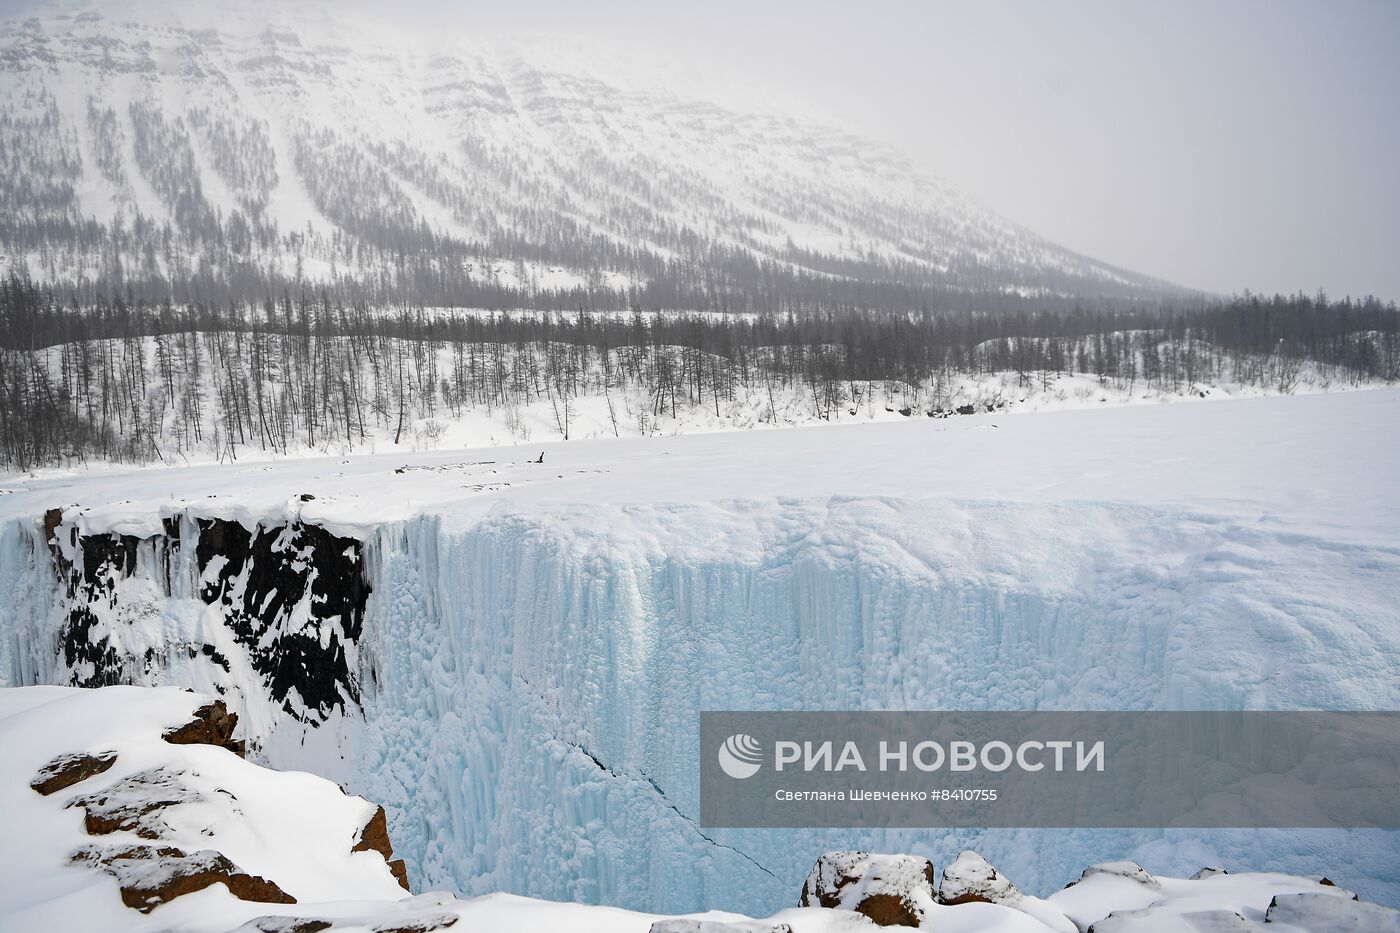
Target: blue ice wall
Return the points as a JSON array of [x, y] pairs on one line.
[[532, 709]]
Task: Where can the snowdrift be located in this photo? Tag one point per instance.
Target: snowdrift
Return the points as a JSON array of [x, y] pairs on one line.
[[132, 809]]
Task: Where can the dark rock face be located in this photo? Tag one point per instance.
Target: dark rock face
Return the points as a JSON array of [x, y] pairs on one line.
[[374, 837], [293, 596], [212, 724], [67, 770], [278, 567], [153, 875], [90, 584]]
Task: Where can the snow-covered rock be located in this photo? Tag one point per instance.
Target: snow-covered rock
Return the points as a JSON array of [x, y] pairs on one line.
[[687, 925], [892, 890], [1115, 898], [1158, 921], [1325, 912], [1132, 871], [114, 808], [112, 826], [970, 878]]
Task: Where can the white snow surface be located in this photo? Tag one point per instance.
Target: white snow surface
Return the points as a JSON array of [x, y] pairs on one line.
[[297, 830], [294, 828], [541, 637]]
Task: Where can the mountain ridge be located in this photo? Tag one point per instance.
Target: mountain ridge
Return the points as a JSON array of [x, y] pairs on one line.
[[150, 152]]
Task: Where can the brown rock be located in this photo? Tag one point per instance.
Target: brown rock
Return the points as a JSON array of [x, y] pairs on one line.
[[135, 804], [212, 724], [67, 770], [888, 910], [52, 519], [150, 875], [374, 837], [891, 890]]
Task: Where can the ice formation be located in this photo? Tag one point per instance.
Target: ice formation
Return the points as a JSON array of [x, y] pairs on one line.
[[521, 690]]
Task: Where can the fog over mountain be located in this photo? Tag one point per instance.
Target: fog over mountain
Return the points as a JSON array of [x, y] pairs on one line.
[[192, 153]]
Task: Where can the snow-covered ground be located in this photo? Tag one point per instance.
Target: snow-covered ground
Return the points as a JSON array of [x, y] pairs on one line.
[[187, 421], [112, 827], [540, 636]]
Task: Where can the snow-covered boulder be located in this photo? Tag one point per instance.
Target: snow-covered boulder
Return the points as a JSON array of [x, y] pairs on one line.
[[892, 890], [1115, 899], [1129, 870], [970, 878], [1160, 921], [687, 925], [1309, 911]]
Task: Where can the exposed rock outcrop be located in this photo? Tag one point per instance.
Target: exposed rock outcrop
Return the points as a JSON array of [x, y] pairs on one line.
[[67, 770], [892, 890], [291, 596], [374, 836], [153, 875], [89, 569], [294, 597], [212, 724], [135, 804]]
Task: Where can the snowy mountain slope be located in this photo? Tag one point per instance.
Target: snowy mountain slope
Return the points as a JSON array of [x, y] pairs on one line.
[[219, 149], [538, 638], [123, 816]]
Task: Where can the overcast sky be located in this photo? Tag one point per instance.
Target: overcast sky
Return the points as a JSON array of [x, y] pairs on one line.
[[1223, 145]]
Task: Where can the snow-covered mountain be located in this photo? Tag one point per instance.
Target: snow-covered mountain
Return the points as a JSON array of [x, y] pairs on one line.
[[202, 151]]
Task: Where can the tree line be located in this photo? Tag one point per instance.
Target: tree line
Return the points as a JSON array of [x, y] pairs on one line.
[[136, 381]]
